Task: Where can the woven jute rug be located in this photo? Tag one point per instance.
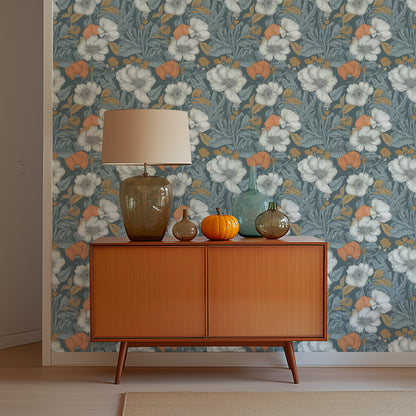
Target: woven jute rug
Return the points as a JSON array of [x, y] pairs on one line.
[[385, 403]]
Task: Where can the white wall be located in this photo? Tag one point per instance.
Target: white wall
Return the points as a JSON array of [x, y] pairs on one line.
[[21, 171]]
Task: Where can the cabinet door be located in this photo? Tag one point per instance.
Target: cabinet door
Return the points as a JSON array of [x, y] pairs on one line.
[[147, 292], [266, 291]]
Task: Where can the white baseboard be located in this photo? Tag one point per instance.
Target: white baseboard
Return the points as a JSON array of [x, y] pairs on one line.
[[13, 340], [238, 359]]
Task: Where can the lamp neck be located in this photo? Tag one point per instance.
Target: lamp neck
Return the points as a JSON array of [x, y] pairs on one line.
[[145, 170]]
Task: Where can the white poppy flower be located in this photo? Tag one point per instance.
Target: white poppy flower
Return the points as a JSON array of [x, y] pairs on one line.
[[92, 229], [365, 48], [86, 7], [227, 80], [93, 48], [267, 184], [403, 169], [289, 29], [380, 29], [91, 139], [268, 7], [411, 4], [380, 301], [366, 229], [274, 138], [175, 94], [357, 276], [357, 94], [57, 172], [380, 211], [198, 210], [365, 139], [108, 211], [233, 6], [229, 171], [403, 260], [108, 29], [57, 81], [101, 117], [358, 184], [85, 185], [275, 48], [55, 9], [331, 263], [403, 78], [324, 6], [291, 209], [140, 80], [179, 183], [85, 94], [358, 7], [126, 171], [380, 120], [318, 171], [316, 346], [143, 7], [319, 80], [176, 6], [82, 276], [266, 94], [198, 29], [403, 344], [56, 346], [193, 139], [83, 321], [365, 320], [198, 120], [57, 264], [184, 48], [289, 120]]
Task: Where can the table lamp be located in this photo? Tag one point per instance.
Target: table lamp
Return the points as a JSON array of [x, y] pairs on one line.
[[146, 137]]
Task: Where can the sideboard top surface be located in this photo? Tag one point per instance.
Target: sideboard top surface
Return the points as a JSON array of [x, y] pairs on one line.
[[202, 241]]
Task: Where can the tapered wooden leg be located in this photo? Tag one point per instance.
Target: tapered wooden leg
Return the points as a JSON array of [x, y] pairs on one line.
[[291, 360], [121, 361]]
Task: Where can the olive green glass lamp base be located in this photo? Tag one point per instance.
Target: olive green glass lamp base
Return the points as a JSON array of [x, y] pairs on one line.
[[146, 203]]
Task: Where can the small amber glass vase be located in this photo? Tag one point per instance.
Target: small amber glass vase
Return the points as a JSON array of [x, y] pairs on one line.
[[272, 223], [185, 230]]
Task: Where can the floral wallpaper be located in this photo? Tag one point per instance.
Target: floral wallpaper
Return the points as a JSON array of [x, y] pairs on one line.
[[319, 95]]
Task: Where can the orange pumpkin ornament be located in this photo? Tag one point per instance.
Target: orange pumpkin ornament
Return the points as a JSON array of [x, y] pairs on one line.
[[219, 227]]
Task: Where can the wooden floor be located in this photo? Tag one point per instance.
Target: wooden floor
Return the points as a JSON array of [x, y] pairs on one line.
[[27, 388]]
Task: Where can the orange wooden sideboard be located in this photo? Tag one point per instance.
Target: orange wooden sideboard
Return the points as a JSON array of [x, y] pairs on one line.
[[246, 291]]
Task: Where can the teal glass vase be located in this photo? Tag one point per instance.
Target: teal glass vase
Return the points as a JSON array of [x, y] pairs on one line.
[[248, 205]]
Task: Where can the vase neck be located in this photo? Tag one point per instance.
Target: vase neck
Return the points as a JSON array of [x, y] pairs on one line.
[[252, 186]]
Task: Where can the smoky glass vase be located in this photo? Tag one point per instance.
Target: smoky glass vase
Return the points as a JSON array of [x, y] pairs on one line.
[[272, 223]]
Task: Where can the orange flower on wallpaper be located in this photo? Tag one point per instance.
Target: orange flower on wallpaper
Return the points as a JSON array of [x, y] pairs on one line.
[[352, 68], [86, 305], [363, 211], [78, 158], [90, 30], [177, 214], [363, 302], [168, 68], [272, 121], [77, 68], [259, 68], [362, 121], [363, 30], [272, 30], [349, 159], [91, 211], [352, 340], [352, 249], [79, 340], [181, 30], [259, 159], [77, 249], [90, 121]]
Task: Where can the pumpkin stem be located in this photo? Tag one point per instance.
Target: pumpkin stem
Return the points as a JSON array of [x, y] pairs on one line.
[[218, 211]]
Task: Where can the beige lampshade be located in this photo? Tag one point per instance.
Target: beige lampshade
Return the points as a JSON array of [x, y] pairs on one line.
[[138, 136]]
